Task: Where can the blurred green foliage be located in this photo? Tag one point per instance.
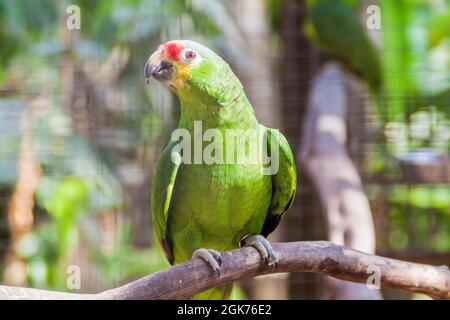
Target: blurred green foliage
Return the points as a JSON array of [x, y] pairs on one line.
[[416, 56], [416, 116], [82, 179]]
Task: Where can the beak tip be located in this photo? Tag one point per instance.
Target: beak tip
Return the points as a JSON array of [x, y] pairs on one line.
[[148, 71]]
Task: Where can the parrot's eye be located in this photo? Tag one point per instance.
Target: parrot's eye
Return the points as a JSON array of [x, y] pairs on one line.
[[189, 57]]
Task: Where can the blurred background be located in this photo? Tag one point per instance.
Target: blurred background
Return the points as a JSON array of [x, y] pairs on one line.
[[80, 130]]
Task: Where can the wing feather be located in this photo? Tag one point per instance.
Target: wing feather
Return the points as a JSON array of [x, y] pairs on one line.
[[284, 182], [162, 188]]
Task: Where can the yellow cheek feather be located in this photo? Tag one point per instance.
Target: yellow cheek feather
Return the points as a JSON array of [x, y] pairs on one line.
[[182, 74]]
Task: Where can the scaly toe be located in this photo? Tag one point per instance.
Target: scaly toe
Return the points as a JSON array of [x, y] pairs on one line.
[[264, 248], [211, 257], [273, 256]]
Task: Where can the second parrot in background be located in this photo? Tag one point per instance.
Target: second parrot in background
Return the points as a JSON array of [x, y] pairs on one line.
[[334, 27]]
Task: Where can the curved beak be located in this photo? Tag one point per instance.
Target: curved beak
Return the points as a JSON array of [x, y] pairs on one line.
[[158, 68]]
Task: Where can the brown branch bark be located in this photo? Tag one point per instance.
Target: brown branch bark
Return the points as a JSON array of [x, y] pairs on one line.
[[191, 277]]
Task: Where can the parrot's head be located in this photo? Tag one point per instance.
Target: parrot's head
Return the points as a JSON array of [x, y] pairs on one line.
[[191, 70]]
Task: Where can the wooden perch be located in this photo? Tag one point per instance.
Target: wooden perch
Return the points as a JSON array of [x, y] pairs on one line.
[[191, 277]]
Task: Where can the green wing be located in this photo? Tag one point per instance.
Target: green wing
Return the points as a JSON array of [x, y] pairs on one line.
[[162, 188], [284, 182], [335, 29]]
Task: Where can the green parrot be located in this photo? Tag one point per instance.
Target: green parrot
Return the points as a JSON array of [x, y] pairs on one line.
[[334, 28], [200, 208]]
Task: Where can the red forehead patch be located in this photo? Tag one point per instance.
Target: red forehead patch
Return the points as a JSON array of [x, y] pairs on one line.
[[172, 50]]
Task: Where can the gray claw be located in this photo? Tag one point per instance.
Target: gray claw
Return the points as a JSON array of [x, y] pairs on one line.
[[264, 248], [211, 257], [216, 255]]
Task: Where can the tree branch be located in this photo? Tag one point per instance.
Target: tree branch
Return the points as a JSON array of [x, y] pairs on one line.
[[191, 277]]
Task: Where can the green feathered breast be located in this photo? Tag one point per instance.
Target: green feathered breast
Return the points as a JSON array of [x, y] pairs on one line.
[[214, 206]]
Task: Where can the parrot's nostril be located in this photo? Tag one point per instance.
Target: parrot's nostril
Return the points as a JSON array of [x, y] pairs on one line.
[[164, 66]]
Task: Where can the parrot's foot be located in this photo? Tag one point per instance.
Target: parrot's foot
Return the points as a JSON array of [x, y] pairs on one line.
[[211, 257], [264, 248]]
